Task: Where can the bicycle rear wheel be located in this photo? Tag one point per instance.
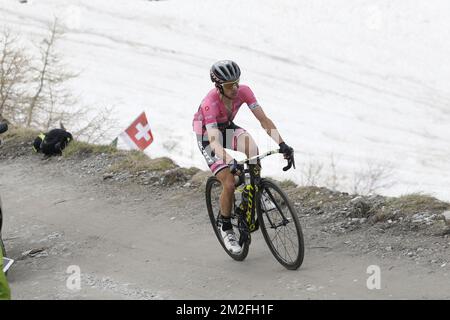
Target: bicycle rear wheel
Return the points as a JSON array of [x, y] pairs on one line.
[[213, 191], [280, 225]]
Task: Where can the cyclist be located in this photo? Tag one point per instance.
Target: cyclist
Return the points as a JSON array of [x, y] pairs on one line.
[[5, 293], [215, 130]]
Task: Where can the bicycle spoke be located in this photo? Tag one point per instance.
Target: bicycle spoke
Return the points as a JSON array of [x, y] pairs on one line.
[[277, 235], [293, 245], [280, 227], [290, 240], [277, 205]]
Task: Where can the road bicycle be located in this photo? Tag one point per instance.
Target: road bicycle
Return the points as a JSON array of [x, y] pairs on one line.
[[259, 203]]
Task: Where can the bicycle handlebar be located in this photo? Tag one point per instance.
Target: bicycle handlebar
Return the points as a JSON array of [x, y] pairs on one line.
[[291, 161], [259, 157]]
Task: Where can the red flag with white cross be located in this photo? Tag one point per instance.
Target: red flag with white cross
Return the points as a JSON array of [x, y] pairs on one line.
[[138, 135]]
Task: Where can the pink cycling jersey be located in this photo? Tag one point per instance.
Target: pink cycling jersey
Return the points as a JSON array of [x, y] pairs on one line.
[[213, 113]]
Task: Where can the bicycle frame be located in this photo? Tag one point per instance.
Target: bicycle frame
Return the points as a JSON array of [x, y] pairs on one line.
[[253, 187], [254, 175], [255, 178]]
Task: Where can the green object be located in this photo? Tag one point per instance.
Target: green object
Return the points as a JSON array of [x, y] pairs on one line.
[[114, 142], [5, 292]]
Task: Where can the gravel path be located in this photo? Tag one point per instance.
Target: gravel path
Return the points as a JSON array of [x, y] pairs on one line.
[[147, 241]]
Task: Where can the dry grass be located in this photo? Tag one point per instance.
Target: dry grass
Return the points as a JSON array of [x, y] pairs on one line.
[[286, 184], [79, 148], [137, 161], [414, 203], [19, 134]]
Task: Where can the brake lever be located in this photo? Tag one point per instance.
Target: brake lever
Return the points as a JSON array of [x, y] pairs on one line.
[[288, 166], [291, 162]]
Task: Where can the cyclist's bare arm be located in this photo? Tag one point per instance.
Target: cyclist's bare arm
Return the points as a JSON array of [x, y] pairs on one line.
[[215, 138], [268, 125]]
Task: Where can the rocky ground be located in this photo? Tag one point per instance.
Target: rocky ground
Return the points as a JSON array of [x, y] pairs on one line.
[[398, 232]]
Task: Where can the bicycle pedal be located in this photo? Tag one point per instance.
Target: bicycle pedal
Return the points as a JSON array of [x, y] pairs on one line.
[[244, 238]]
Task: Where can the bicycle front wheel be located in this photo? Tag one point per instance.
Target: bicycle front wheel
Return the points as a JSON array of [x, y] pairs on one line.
[[213, 191], [280, 225]]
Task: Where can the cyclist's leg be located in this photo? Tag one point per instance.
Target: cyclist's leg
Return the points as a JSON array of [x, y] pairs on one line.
[[226, 198], [219, 169], [215, 164], [243, 142], [246, 144], [224, 224]]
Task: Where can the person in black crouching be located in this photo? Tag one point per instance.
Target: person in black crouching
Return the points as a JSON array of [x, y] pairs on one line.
[[52, 142]]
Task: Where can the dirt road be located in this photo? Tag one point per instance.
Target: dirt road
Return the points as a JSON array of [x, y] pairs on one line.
[[140, 242]]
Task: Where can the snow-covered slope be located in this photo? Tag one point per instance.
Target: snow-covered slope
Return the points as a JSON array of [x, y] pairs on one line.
[[360, 82]]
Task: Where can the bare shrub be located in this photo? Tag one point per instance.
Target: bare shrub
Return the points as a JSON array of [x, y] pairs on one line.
[[95, 127], [311, 174], [34, 90], [372, 178], [369, 179], [14, 72], [49, 97]]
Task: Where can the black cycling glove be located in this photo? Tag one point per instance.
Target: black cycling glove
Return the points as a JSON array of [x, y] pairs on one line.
[[286, 150], [288, 153]]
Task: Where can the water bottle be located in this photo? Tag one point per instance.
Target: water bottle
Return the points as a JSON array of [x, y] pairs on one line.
[[244, 199], [247, 178], [237, 197]]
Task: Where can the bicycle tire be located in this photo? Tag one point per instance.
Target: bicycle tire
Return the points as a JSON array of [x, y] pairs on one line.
[[264, 224], [213, 181]]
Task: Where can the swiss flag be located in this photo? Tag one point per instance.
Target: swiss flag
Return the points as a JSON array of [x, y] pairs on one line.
[[138, 134]]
